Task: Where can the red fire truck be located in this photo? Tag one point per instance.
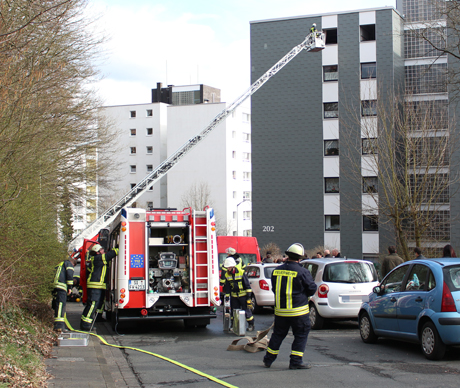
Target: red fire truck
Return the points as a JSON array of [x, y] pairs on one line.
[[167, 266]]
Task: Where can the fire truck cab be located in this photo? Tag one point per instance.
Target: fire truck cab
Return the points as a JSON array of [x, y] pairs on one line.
[[166, 268]]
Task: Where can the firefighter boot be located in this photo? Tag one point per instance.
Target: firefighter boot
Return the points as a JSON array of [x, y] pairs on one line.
[[251, 325]]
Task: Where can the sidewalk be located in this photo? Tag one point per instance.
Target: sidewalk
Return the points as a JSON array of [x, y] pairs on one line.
[[94, 366]]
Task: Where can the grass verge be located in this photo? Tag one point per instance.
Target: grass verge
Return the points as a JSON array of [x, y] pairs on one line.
[[26, 339]]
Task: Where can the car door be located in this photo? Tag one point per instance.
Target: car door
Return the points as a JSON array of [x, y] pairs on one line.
[[412, 299], [383, 307]]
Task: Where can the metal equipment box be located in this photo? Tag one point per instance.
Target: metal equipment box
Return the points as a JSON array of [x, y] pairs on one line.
[[239, 322], [73, 339]]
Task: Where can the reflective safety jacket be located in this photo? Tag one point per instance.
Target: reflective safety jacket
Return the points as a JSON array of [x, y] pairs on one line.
[[223, 270], [237, 284], [64, 276], [97, 269], [292, 285]]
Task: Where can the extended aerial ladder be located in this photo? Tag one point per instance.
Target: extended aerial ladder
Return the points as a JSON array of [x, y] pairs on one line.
[[313, 42]]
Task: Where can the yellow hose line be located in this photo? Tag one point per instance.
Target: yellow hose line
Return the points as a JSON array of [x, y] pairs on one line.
[[193, 370]]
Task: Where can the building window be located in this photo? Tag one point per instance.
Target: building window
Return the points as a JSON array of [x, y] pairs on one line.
[[247, 195], [331, 185], [332, 223], [368, 70], [150, 205], [369, 146], [246, 157], [331, 36], [149, 131], [132, 114], [426, 78], [247, 233], [133, 185], [417, 47], [330, 73], [149, 167], [78, 218], [246, 176], [331, 147], [149, 112], [247, 215], [331, 110], [246, 118], [233, 154], [370, 223], [246, 137], [133, 168], [133, 150], [369, 108], [133, 132], [234, 174], [370, 185], [367, 32], [149, 149]]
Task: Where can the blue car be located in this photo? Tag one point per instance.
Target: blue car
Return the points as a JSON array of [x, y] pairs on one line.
[[418, 301]]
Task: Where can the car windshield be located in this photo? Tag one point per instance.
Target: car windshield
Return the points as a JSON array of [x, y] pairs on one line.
[[247, 258], [350, 272], [452, 277]]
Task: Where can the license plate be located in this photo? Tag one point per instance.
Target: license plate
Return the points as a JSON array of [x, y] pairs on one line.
[[136, 285], [352, 298]]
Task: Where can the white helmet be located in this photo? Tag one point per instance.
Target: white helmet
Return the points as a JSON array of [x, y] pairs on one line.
[[229, 262], [296, 249], [230, 251], [96, 248]]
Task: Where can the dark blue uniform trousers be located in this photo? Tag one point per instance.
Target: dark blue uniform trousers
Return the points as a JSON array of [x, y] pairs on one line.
[[300, 328], [94, 304], [59, 303], [242, 304]]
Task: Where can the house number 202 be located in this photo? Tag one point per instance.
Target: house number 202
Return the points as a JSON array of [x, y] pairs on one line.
[[268, 228]]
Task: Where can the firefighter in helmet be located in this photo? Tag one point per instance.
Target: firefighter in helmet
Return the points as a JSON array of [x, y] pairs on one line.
[[293, 285], [62, 286], [96, 284], [231, 252], [238, 289]]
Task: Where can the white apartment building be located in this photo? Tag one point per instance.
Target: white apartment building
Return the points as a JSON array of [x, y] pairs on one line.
[[148, 133]]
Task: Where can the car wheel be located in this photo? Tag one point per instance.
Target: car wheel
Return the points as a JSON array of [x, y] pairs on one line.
[[316, 320], [432, 346], [366, 330], [256, 308]]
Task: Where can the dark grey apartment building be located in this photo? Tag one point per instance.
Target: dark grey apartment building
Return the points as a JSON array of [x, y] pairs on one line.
[[308, 126]]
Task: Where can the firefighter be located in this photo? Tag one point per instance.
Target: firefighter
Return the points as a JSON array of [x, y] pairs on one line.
[[96, 284], [62, 286], [231, 252], [292, 285], [237, 286]]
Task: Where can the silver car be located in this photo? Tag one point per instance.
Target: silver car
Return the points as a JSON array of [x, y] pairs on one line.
[[260, 277], [342, 286]]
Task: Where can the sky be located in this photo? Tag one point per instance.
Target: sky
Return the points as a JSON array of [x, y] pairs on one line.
[[184, 42]]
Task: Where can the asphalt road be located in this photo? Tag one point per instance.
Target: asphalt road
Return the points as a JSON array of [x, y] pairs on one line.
[[339, 358]]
